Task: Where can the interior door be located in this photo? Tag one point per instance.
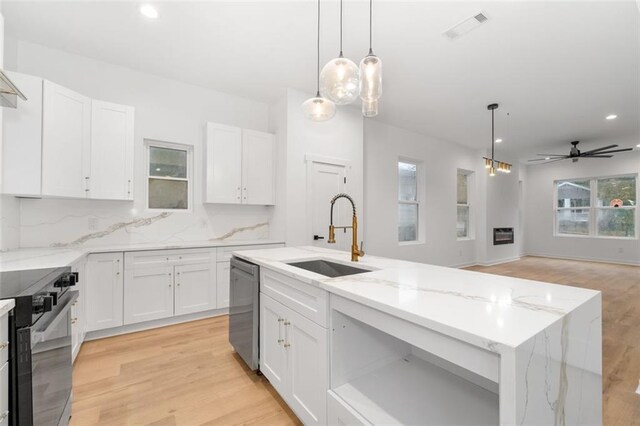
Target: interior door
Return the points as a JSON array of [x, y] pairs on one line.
[[111, 151], [195, 288], [325, 181], [66, 133]]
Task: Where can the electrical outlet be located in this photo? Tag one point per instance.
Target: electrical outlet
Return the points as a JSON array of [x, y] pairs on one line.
[[93, 223]]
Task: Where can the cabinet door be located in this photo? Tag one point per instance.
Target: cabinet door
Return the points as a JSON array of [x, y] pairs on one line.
[[223, 164], [222, 284], [78, 315], [148, 294], [195, 288], [111, 151], [22, 140], [66, 133], [306, 344], [104, 291], [4, 394], [273, 355], [258, 152]]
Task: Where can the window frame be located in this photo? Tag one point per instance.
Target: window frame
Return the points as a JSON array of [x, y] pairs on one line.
[[593, 208], [152, 143], [469, 205], [417, 202]]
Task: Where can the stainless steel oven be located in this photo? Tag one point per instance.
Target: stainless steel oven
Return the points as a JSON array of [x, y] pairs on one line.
[[51, 365]]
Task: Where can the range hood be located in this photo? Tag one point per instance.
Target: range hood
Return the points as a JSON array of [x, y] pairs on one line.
[[9, 92]]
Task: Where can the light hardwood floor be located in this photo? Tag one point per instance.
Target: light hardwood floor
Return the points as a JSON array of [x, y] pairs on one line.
[[185, 374], [620, 286]]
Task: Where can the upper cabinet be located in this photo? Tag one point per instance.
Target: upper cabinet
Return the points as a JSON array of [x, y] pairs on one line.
[[59, 143], [111, 166], [239, 166], [66, 140]]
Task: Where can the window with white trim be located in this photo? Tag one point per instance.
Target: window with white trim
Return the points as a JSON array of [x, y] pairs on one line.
[[597, 207], [463, 204], [168, 176], [408, 201]]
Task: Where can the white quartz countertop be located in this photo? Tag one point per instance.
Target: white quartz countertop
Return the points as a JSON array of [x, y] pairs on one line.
[[51, 257], [490, 311], [6, 305]]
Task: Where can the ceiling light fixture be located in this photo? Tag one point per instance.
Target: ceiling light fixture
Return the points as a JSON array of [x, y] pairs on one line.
[[370, 75], [339, 79], [638, 145], [149, 11], [491, 163], [498, 140], [318, 108], [611, 117]]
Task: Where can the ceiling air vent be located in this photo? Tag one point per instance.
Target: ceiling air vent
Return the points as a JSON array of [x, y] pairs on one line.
[[465, 26]]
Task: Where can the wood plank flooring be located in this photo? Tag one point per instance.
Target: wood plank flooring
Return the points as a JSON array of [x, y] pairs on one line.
[[188, 375], [620, 287], [185, 374]]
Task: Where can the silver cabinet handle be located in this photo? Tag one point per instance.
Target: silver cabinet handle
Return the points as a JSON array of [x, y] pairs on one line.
[[4, 345], [129, 187]]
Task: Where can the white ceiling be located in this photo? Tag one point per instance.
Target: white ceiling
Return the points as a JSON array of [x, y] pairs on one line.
[[558, 68]]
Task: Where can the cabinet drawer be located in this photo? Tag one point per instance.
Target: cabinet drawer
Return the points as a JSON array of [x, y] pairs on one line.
[[4, 339], [224, 253], [339, 413], [310, 302], [4, 394], [160, 258]]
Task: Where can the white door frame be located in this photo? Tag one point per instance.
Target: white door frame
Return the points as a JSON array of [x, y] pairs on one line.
[[310, 159]]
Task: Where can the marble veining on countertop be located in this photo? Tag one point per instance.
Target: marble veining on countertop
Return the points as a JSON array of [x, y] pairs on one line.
[[487, 310], [51, 257]]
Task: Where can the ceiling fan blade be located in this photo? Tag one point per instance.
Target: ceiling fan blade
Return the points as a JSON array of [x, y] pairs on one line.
[[552, 155], [596, 156], [600, 149], [538, 159], [608, 152]]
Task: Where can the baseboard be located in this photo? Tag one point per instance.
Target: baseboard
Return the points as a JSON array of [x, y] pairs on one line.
[[499, 261], [584, 259], [464, 265], [148, 325]]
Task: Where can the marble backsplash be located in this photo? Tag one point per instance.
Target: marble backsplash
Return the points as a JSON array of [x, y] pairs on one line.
[[90, 223]]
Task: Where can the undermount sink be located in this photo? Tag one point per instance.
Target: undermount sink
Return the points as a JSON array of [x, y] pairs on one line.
[[328, 269]]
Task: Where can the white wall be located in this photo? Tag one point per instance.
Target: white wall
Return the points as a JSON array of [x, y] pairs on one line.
[[166, 110], [539, 238], [340, 137], [384, 145]]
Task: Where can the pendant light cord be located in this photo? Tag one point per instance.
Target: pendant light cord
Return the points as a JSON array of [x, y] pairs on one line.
[[341, 28], [318, 46], [370, 26], [493, 137]]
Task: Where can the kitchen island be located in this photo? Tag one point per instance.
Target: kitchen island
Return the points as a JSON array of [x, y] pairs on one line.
[[404, 342]]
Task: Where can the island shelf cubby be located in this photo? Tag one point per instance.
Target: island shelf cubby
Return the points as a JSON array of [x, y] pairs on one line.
[[387, 370]]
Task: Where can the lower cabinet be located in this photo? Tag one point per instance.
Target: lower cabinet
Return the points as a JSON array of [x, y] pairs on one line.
[[104, 291], [224, 272], [78, 312], [4, 394], [148, 294], [293, 356], [195, 289]]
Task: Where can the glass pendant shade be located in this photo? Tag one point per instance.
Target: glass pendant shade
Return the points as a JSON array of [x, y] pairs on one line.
[[318, 109], [339, 81], [370, 108], [370, 78]]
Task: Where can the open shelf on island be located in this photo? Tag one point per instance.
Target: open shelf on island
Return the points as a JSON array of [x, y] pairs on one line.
[[412, 391]]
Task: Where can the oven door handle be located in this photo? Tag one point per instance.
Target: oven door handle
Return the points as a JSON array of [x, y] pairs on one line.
[[52, 319]]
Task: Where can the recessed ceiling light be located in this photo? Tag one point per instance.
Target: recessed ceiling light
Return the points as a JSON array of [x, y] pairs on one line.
[[149, 11], [638, 145], [611, 117], [498, 140], [547, 158]]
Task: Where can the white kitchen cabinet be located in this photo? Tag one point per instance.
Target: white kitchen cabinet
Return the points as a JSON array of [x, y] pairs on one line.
[[223, 161], [78, 312], [148, 294], [239, 166], [4, 394], [111, 169], [22, 140], [66, 138], [293, 356], [195, 288], [222, 284], [104, 291]]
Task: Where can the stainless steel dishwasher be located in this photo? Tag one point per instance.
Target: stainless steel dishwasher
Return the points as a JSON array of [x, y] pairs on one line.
[[244, 310]]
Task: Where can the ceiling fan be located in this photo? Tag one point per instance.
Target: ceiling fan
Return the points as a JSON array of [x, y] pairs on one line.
[[575, 153]]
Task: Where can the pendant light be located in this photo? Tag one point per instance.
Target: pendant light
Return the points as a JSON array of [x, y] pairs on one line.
[[339, 79], [491, 163], [370, 76], [318, 108]]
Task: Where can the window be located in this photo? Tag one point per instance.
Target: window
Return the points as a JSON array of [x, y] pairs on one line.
[[408, 203], [168, 176], [463, 226], [598, 207]]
